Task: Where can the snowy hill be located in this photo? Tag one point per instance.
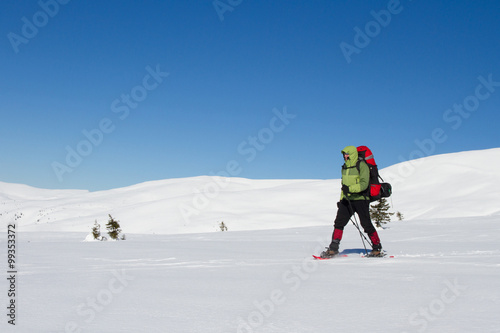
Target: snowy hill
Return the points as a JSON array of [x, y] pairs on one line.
[[441, 275], [451, 185]]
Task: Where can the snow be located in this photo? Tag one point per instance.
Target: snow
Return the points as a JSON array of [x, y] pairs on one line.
[[450, 185], [173, 275]]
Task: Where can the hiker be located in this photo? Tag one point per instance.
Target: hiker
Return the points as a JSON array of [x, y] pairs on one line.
[[354, 198]]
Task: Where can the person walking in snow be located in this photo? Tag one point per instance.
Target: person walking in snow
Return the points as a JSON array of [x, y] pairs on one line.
[[353, 199]]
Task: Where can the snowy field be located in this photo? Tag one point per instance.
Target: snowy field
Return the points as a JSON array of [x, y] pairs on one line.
[[178, 274], [444, 277]]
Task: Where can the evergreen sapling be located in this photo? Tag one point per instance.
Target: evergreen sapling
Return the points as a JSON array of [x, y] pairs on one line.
[[379, 213], [96, 230], [113, 227], [222, 226]]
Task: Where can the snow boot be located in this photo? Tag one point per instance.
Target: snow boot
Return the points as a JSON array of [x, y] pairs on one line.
[[328, 253], [376, 251], [331, 250]]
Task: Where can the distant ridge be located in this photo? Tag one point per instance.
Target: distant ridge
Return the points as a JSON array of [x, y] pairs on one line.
[[450, 185]]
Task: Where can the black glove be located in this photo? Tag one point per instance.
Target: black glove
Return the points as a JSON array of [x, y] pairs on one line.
[[345, 189]]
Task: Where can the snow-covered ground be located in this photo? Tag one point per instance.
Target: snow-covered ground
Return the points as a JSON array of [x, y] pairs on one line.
[[444, 278], [176, 273]]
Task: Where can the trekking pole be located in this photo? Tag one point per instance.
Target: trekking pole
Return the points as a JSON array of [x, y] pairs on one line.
[[355, 222]]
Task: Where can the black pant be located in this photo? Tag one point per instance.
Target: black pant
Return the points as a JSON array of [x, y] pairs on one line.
[[361, 207]]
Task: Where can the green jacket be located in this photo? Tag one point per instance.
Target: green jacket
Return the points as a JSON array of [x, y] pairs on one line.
[[357, 181]]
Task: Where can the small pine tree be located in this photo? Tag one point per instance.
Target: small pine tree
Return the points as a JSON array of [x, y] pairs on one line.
[[96, 230], [113, 228], [400, 216], [379, 213], [222, 226]]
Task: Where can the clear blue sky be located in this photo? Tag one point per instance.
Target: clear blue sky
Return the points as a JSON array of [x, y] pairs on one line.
[[376, 73]]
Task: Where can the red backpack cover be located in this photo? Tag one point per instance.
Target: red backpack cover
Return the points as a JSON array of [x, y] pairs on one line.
[[376, 190]]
